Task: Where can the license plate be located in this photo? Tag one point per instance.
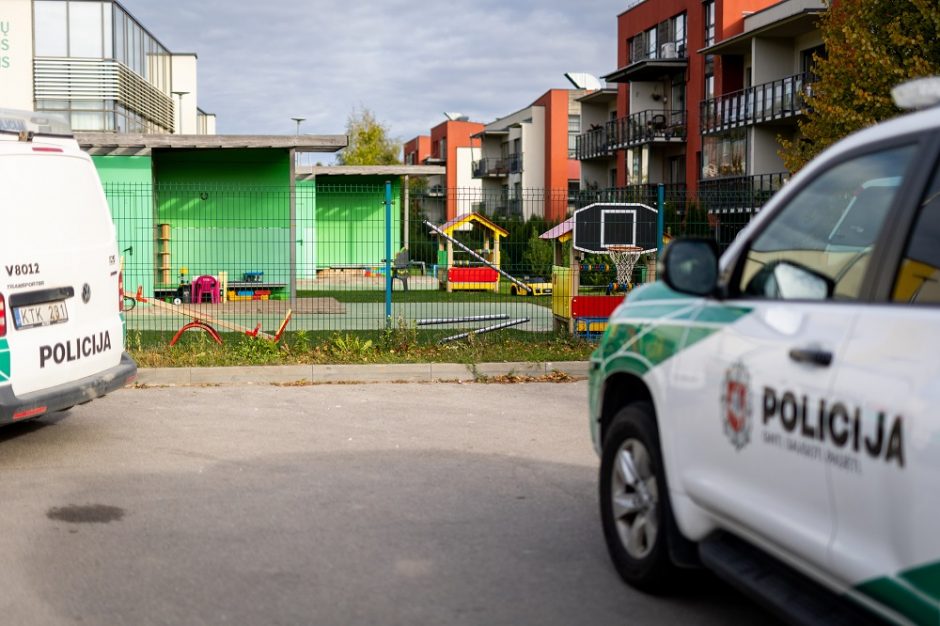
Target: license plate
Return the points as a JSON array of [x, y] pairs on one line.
[[40, 314]]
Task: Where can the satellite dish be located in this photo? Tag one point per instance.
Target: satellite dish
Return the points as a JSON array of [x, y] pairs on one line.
[[583, 80], [456, 117]]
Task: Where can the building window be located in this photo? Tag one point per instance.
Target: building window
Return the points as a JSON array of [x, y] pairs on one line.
[[678, 34], [709, 7], [666, 40], [724, 154], [51, 29], [709, 76], [85, 30], [808, 60], [574, 129], [574, 191]]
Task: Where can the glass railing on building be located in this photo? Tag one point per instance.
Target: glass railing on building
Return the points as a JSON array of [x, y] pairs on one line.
[[739, 194], [496, 167], [595, 143], [778, 99], [654, 125], [640, 193]]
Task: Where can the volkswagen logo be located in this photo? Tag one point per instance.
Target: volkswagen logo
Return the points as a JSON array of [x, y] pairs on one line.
[[86, 293]]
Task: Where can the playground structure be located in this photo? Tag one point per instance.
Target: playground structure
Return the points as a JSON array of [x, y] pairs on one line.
[[454, 276], [200, 320], [623, 232]]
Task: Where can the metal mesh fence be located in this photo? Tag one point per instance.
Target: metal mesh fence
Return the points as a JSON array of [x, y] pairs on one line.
[[238, 258]]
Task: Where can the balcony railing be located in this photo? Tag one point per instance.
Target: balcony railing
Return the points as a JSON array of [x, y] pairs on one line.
[[739, 194], [779, 99], [644, 194], [490, 167], [647, 127], [595, 143]]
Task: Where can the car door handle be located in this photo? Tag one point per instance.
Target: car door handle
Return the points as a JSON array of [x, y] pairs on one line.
[[813, 356]]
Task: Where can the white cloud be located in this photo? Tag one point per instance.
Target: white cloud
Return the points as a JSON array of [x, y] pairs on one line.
[[262, 63]]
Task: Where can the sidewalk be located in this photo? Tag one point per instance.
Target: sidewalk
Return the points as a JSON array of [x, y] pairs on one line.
[[312, 374]]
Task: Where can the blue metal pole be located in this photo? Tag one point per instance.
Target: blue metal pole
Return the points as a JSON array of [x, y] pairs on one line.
[[660, 218], [388, 254]]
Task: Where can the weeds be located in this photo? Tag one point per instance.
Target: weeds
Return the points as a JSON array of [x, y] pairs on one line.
[[350, 347], [401, 343]]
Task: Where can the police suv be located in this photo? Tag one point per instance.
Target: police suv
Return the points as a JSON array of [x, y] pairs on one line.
[[774, 415], [61, 330]]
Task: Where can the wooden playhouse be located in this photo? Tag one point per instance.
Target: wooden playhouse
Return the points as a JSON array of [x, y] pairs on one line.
[[479, 272]]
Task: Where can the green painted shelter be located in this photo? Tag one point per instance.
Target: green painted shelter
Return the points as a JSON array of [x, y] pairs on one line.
[[236, 207]]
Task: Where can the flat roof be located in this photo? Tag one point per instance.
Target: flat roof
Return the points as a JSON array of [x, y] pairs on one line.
[[647, 69], [789, 26], [134, 144], [607, 94], [306, 172]]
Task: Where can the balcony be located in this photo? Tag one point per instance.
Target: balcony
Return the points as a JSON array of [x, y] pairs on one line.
[[497, 167], [777, 100], [643, 193], [668, 59], [651, 126], [594, 144], [739, 194]]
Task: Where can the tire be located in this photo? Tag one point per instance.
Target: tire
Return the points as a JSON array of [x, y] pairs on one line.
[[634, 502]]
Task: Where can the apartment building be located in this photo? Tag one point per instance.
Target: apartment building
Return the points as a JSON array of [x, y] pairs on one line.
[[598, 161], [704, 89], [768, 68], [527, 161], [450, 145], [93, 62]]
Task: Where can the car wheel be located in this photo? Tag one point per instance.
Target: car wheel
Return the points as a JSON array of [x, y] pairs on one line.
[[634, 499]]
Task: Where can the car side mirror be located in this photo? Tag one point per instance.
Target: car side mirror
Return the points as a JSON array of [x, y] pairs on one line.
[[690, 266]]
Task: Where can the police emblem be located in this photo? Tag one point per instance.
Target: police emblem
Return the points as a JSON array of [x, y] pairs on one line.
[[736, 405]]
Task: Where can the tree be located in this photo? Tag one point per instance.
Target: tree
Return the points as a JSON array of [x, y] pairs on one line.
[[369, 142], [871, 46]]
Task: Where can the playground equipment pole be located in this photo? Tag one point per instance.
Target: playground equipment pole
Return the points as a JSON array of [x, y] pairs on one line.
[[388, 254], [477, 256], [488, 329], [660, 218], [462, 320]]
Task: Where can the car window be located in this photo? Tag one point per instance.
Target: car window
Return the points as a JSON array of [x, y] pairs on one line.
[[818, 246], [918, 278]]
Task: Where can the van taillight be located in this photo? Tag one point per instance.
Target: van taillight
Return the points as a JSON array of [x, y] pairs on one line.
[[121, 290], [3, 316]]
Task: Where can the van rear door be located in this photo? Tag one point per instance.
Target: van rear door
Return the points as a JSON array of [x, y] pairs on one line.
[[59, 267]]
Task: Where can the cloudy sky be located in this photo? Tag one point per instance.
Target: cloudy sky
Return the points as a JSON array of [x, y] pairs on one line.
[[263, 62]]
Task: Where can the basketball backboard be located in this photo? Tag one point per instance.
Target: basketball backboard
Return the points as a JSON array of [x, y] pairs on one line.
[[603, 224]]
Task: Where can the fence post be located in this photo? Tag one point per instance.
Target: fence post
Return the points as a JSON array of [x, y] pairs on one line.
[[388, 254], [660, 218]]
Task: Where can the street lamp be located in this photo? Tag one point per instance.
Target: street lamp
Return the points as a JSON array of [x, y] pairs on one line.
[[179, 95], [298, 120]]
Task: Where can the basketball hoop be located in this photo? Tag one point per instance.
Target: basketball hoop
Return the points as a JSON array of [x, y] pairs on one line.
[[625, 258]]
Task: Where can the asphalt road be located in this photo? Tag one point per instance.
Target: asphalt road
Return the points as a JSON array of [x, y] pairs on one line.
[[332, 504]]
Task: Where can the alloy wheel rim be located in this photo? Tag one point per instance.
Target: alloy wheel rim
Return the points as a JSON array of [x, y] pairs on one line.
[[634, 498]]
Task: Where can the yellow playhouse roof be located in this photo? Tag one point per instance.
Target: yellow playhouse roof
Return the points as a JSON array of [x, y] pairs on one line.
[[450, 226]]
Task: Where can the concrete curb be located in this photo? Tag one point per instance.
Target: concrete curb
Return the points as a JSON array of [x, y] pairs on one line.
[[404, 372]]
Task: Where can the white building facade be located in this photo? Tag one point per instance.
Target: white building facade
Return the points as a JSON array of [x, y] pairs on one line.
[[94, 63]]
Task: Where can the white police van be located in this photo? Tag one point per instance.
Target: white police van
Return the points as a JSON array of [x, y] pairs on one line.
[[775, 415], [61, 330]]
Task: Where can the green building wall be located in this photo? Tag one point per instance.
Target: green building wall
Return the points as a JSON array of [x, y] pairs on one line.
[[350, 220], [128, 186], [229, 210]]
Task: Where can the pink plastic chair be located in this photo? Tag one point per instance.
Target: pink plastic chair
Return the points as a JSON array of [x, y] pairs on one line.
[[206, 286]]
